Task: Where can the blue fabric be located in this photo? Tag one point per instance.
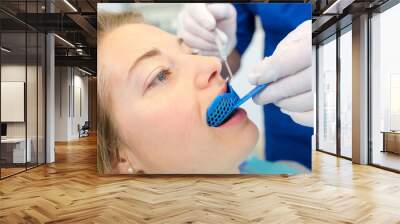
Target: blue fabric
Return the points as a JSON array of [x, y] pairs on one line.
[[284, 139]]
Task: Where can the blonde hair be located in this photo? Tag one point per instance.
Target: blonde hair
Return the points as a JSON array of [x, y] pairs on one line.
[[107, 135]]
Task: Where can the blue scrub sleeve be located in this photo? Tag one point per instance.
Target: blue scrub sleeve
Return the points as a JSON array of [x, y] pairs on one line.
[[245, 27]]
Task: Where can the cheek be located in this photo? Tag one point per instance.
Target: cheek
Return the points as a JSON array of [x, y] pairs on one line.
[[165, 134], [164, 123], [173, 119]]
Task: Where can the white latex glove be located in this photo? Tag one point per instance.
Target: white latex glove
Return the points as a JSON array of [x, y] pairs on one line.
[[289, 74], [197, 24]]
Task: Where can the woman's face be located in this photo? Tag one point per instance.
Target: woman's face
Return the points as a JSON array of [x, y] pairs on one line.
[[159, 94]]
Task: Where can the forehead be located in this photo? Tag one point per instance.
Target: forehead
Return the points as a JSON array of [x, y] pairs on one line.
[[135, 37], [124, 44], [140, 32]]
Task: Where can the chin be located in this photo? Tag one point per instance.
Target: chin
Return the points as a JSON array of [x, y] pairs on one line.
[[250, 135], [245, 141]]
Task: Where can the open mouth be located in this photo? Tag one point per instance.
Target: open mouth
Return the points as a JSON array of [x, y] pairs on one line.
[[238, 115], [223, 107]]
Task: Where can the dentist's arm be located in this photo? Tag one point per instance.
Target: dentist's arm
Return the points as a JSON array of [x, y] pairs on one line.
[[288, 72]]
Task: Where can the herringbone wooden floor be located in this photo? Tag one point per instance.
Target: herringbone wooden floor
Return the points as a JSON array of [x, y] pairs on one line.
[[70, 191]]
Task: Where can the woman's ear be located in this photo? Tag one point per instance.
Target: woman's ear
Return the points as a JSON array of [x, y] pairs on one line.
[[128, 163]]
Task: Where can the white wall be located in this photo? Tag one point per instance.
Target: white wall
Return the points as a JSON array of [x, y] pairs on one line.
[[70, 83], [33, 126], [12, 73], [61, 103], [12, 100], [17, 73], [160, 15], [80, 100]]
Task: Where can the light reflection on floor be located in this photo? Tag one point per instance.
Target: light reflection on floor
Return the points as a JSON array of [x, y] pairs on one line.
[[386, 159]]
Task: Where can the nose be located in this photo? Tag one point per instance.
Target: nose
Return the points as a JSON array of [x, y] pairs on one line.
[[208, 72]]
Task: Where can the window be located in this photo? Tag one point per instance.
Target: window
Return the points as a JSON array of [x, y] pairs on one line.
[[327, 96], [22, 89], [385, 89], [346, 92]]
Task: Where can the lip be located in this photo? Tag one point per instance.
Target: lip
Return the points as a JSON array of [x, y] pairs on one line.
[[223, 89], [238, 116]]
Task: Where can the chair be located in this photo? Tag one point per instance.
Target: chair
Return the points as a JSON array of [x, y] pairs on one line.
[[84, 130]]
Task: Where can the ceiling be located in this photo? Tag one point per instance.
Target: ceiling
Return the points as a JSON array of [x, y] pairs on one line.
[[72, 20]]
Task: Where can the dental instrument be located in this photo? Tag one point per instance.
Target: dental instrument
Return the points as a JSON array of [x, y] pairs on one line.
[[221, 40], [225, 104]]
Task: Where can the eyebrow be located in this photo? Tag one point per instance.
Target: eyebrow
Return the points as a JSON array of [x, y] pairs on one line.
[[151, 53]]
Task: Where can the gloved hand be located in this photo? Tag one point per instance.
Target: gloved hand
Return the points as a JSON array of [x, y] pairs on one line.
[[197, 24], [288, 72]]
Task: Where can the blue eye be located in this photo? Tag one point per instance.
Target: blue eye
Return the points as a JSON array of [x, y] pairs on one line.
[[162, 76]]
